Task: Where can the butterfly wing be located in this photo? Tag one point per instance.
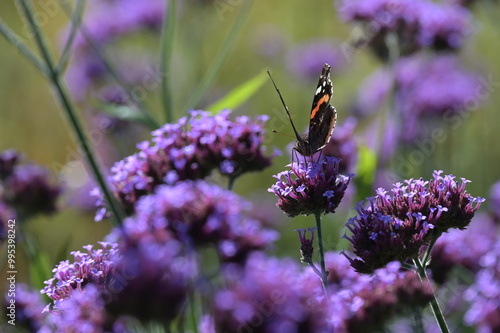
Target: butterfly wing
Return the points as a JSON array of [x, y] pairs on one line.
[[323, 115]]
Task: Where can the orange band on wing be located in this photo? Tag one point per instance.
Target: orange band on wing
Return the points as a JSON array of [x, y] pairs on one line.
[[324, 99]]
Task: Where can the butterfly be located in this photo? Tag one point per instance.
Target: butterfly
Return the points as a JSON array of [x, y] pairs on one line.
[[321, 120]]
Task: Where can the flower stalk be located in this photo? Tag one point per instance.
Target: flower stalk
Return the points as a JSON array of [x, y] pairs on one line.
[[436, 309], [54, 76], [323, 275]]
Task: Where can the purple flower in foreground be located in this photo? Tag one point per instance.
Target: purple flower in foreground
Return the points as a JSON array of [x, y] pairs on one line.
[[191, 149], [394, 226], [484, 294], [87, 268], [364, 303], [150, 281], [199, 214], [83, 312], [310, 188], [268, 295]]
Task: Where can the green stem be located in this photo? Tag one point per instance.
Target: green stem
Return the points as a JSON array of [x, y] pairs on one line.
[[436, 309], [192, 311], [167, 42], [14, 39], [321, 250], [76, 20], [215, 67], [428, 251], [71, 114], [230, 183]]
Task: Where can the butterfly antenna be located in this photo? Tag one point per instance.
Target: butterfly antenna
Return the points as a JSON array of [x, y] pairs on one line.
[[284, 105]]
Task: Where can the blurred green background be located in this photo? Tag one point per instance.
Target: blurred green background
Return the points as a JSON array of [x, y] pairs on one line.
[[32, 122]]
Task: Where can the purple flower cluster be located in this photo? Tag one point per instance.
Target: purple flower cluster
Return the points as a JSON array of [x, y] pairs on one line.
[[150, 281], [128, 16], [306, 58], [311, 187], [362, 303], [416, 24], [268, 295], [424, 88], [191, 149], [459, 248], [274, 295], [82, 312], [484, 294], [25, 189], [395, 226], [198, 214], [87, 268]]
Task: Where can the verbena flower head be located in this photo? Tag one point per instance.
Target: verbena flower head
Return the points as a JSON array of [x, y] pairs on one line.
[[150, 281], [364, 303], [83, 311], [416, 24], [484, 294], [395, 225], [91, 267], [311, 187], [199, 214], [269, 295], [191, 149]]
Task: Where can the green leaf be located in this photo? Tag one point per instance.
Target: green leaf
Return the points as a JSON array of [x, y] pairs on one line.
[[130, 113], [365, 175], [239, 95]]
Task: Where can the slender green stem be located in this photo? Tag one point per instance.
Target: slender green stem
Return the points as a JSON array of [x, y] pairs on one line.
[[216, 66], [230, 183], [167, 42], [76, 20], [436, 309], [428, 251], [71, 113], [192, 311], [16, 41], [321, 250]]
